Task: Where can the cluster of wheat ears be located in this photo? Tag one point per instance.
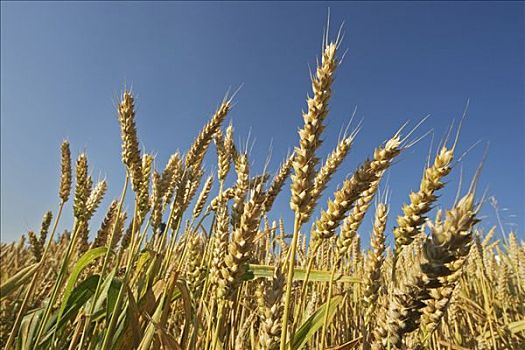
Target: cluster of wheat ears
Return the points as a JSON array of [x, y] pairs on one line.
[[210, 270]]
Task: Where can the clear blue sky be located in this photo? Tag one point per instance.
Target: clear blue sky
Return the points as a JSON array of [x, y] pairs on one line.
[[63, 66]]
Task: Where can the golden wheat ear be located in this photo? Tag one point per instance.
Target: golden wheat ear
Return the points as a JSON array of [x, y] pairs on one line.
[[65, 174], [130, 145], [278, 183], [305, 160], [195, 154]]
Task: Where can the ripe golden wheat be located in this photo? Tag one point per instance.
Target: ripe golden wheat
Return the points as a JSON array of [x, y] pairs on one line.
[[209, 269]]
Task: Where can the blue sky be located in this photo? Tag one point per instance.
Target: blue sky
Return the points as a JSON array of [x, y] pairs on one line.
[[63, 66]]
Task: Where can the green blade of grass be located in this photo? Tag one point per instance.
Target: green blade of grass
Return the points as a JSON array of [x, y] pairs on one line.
[[81, 264], [255, 271], [314, 323]]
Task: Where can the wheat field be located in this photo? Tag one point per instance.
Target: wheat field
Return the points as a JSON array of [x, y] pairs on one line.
[[201, 261]]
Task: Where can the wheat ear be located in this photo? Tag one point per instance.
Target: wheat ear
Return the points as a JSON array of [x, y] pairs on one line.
[[277, 183], [375, 262], [130, 144], [421, 202], [327, 170], [199, 147], [241, 244], [203, 197], [65, 174], [305, 159], [271, 301], [105, 228], [445, 253], [81, 189]]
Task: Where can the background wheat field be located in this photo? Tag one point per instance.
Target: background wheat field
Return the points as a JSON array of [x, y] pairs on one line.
[[194, 252]]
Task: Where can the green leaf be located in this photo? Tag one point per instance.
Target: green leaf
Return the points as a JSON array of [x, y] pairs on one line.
[[313, 323], [78, 297], [517, 326], [81, 264], [113, 291], [514, 327], [27, 330], [143, 263], [255, 271], [19, 279], [188, 309], [104, 290], [145, 256]]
